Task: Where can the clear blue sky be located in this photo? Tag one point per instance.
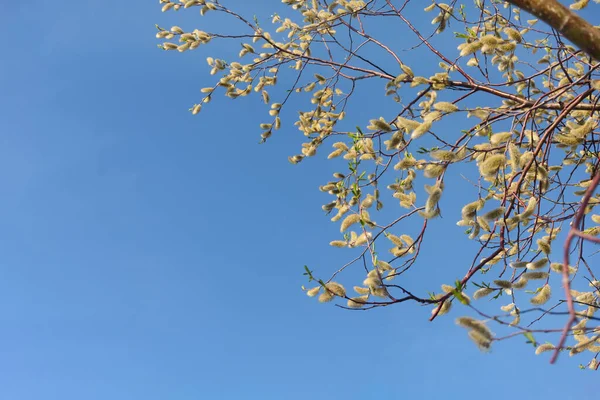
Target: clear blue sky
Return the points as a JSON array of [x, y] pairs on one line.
[[149, 254]]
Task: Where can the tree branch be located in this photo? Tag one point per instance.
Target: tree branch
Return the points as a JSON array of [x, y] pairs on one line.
[[583, 34]]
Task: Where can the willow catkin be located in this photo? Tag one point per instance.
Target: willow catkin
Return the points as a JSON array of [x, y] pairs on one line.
[[379, 292], [444, 309], [475, 325], [469, 48], [336, 289], [518, 264], [421, 130], [544, 246], [406, 124], [504, 284], [517, 318], [543, 348], [469, 210], [587, 297], [433, 170], [494, 214], [326, 297], [443, 155], [490, 40], [515, 155], [447, 288], [482, 292], [349, 221], [363, 238], [492, 164], [357, 302], [433, 199], [520, 284], [513, 34], [313, 292], [541, 263], [480, 340], [380, 124], [367, 202], [534, 275], [372, 282], [483, 223], [542, 297], [395, 239], [361, 290], [501, 137], [529, 210], [406, 163], [384, 265], [445, 107]]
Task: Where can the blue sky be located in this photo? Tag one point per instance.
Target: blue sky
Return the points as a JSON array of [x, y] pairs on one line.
[[149, 254]]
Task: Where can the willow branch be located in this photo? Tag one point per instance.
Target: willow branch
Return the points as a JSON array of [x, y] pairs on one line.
[[583, 34]]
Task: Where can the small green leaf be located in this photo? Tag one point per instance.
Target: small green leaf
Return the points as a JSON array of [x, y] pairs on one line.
[[530, 338]]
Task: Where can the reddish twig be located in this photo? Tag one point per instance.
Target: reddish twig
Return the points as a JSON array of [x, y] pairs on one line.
[[573, 232]]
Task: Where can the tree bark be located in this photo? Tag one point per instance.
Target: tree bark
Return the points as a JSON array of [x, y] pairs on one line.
[[583, 34]]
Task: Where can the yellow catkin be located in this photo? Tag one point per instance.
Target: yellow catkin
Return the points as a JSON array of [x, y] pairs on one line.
[[363, 238], [326, 297], [469, 48], [421, 130], [443, 155], [542, 297], [544, 246], [446, 307], [541, 263], [396, 240], [433, 199], [384, 265], [515, 156], [380, 124], [475, 325], [379, 292], [501, 137], [349, 221], [587, 297], [336, 289], [518, 264], [516, 320], [543, 348], [447, 288], [361, 290], [529, 210], [479, 293], [492, 164], [445, 107], [480, 340], [433, 170], [494, 214], [513, 34], [357, 302], [503, 284], [520, 284], [406, 124], [534, 275], [469, 210]]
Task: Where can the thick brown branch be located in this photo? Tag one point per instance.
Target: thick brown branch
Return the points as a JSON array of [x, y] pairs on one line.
[[583, 34]]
